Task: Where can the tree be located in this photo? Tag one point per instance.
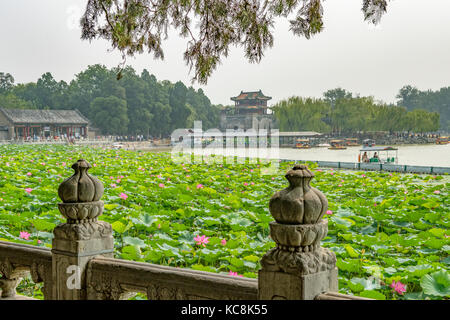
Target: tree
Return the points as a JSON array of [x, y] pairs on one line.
[[139, 108], [95, 81], [110, 115], [11, 101], [6, 82], [177, 100], [434, 101], [134, 26], [302, 114], [331, 96]]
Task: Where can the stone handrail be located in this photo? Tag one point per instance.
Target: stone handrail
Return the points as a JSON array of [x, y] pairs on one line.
[[114, 279], [19, 260], [81, 266]]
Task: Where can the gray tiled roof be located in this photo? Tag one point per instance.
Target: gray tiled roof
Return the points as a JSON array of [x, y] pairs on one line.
[[44, 116]]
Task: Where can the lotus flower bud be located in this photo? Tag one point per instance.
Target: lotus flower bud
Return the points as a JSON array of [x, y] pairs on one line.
[[81, 186]]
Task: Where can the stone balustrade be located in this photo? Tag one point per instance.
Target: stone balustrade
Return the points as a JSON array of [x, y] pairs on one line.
[[81, 266]]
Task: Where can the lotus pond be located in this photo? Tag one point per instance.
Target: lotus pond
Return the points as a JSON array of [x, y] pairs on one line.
[[389, 230]]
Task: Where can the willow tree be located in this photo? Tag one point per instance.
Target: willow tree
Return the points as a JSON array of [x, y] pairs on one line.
[[210, 26]]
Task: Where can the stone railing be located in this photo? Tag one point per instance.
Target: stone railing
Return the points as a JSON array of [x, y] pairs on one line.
[[81, 266]]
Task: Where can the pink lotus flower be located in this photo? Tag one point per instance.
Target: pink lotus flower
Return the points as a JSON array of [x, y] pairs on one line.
[[123, 196], [273, 178], [118, 180], [234, 274], [188, 176], [111, 178], [332, 173], [121, 177], [245, 184], [329, 212], [363, 175], [24, 235], [39, 241], [252, 183], [161, 185], [340, 185], [223, 242], [159, 225], [375, 204], [436, 191], [319, 170], [28, 190], [29, 174], [201, 241], [113, 185], [398, 287], [95, 164], [199, 186]]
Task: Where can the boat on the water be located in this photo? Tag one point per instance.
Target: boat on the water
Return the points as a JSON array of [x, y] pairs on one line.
[[337, 145], [302, 144], [352, 142], [368, 143], [378, 154], [324, 145], [442, 140]]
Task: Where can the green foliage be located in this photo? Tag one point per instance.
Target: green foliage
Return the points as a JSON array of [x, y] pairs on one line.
[[403, 238], [437, 102], [341, 113], [110, 115], [151, 107], [211, 26], [436, 284]]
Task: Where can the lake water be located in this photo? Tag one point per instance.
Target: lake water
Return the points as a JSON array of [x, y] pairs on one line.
[[420, 155]]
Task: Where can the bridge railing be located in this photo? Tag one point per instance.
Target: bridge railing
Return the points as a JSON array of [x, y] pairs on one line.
[[80, 265]]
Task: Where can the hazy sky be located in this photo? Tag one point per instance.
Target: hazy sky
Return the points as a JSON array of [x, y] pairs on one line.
[[410, 46]]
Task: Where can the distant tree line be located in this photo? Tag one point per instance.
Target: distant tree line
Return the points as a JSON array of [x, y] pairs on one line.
[[341, 112], [135, 104], [435, 101]]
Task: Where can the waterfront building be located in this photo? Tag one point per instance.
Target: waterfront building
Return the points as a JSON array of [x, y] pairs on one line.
[[250, 111], [22, 124]]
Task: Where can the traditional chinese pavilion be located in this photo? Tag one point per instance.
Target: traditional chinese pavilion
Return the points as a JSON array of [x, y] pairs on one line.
[[254, 102], [250, 111]]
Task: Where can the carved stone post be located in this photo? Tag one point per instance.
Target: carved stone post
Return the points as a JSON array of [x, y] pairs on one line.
[[298, 268], [82, 237]]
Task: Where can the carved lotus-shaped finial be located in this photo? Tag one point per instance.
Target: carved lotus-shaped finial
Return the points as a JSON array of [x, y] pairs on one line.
[[81, 186], [299, 203]]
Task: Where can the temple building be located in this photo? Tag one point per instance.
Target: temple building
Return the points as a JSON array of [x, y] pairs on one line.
[[250, 111], [20, 124]]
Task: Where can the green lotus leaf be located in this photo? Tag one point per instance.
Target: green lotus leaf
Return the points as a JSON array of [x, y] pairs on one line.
[[436, 284]]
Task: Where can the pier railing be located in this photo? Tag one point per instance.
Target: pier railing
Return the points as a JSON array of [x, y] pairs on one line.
[[377, 166], [81, 266]]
